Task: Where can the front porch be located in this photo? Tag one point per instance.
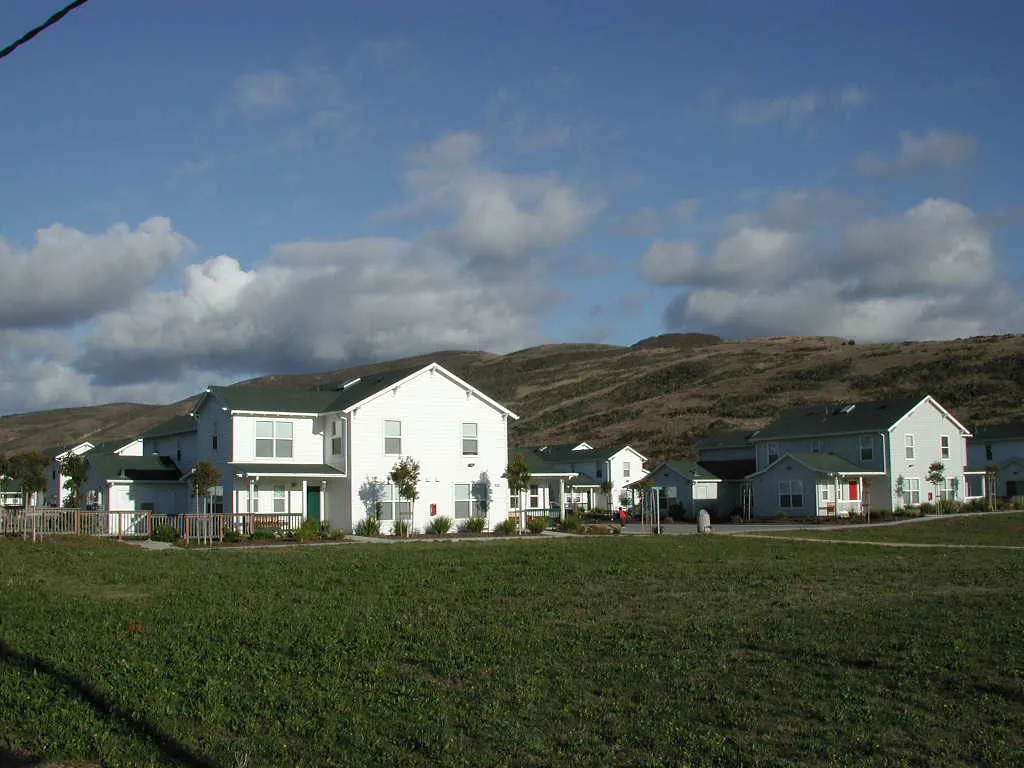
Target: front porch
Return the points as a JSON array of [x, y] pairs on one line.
[[269, 496]]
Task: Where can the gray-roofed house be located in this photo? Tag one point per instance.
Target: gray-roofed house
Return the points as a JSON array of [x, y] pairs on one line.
[[838, 459], [1003, 446], [326, 454], [685, 488]]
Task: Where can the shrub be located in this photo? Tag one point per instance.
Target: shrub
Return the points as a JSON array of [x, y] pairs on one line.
[[439, 526], [947, 507], [506, 527], [475, 525], [602, 530], [310, 529], [336, 534], [927, 508], [368, 527], [571, 524], [263, 534], [1017, 502], [537, 524], [401, 528], [230, 535], [165, 532]]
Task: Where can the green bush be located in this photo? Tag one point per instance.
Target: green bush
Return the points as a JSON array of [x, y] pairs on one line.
[[401, 528], [309, 530], [506, 527], [368, 527], [947, 507], [336, 534], [475, 525], [439, 526], [571, 524], [230, 535], [927, 508], [537, 524], [165, 532], [264, 534]]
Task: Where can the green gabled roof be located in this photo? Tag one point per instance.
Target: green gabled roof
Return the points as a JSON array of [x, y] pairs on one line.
[[538, 465], [833, 419], [109, 446], [564, 453], [110, 466], [242, 398], [176, 425], [1013, 430], [826, 462], [690, 469], [732, 438], [290, 469], [581, 480]]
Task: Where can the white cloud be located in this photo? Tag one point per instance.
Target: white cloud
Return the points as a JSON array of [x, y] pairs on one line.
[[668, 263], [69, 275], [796, 108], [934, 148], [497, 217], [930, 272], [269, 91]]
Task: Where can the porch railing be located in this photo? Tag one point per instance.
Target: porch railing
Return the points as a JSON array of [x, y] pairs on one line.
[[842, 508], [44, 521]]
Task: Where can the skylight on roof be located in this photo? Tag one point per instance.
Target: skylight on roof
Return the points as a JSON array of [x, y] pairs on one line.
[[350, 382]]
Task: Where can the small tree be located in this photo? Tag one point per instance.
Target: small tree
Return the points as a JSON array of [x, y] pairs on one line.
[[606, 489], [936, 476], [991, 476], [518, 475], [204, 477], [406, 477], [76, 469], [30, 470], [900, 484]]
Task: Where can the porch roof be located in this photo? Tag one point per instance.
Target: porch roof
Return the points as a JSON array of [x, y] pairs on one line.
[[822, 463], [288, 470], [585, 481], [111, 466]]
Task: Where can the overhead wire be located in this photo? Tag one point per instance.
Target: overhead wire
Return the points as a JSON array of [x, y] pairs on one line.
[[7, 51]]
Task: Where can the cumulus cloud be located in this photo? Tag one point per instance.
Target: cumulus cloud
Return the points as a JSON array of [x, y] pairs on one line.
[[930, 272], [934, 148], [312, 306], [496, 217], [69, 275], [796, 108]]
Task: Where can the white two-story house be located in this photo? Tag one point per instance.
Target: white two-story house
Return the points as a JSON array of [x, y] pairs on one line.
[[588, 470], [825, 460], [1001, 445], [56, 493], [327, 454]]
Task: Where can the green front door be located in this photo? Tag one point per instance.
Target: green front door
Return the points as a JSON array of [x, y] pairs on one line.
[[313, 503]]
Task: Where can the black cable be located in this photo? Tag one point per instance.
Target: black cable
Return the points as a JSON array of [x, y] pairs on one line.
[[48, 23]]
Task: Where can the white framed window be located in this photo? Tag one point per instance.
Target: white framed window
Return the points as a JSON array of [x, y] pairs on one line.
[[470, 500], [815, 446], [911, 491], [826, 492], [391, 504], [534, 497], [944, 446], [908, 446], [392, 437], [215, 438], [791, 494], [274, 439], [625, 469], [280, 500], [513, 500], [470, 443], [773, 452], [867, 448], [217, 500]]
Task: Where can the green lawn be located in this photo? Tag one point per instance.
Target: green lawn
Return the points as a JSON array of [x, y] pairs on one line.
[[593, 651], [989, 530]]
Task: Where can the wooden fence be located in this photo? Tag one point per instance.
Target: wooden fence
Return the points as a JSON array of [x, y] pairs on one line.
[[35, 522]]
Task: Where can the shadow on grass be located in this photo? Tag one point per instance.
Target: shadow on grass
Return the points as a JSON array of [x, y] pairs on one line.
[[103, 706]]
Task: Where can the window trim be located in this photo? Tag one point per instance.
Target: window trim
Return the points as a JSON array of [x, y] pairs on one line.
[[276, 441], [626, 469], [397, 437], [475, 438], [909, 492], [771, 449], [869, 448], [909, 447], [790, 490], [944, 446]]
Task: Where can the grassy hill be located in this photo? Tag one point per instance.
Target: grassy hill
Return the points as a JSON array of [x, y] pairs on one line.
[[660, 394]]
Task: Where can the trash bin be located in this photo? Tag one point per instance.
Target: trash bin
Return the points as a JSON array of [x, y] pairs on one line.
[[703, 522]]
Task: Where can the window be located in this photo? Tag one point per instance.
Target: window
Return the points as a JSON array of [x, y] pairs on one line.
[[534, 497], [944, 446], [217, 500], [280, 500], [470, 500], [908, 446], [274, 439], [815, 446], [773, 452], [390, 504], [600, 471], [177, 450], [826, 493], [988, 452], [791, 494], [469, 441], [215, 439], [867, 448], [911, 491], [393, 437], [625, 469], [513, 500]]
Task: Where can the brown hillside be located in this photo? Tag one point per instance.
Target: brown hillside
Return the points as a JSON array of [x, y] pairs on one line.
[[660, 395]]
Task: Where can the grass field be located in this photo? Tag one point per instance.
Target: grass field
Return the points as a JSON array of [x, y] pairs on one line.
[[593, 652], [982, 529]]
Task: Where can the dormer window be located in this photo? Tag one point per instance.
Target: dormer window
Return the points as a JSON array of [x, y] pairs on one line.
[[772, 449]]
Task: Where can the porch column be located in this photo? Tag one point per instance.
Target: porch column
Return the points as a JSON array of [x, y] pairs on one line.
[[305, 499], [323, 503], [860, 493], [561, 498]]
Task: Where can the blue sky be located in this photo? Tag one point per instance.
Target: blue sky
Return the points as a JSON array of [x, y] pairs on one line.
[[194, 192]]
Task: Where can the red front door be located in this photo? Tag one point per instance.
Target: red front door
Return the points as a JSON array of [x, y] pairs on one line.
[[854, 491]]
